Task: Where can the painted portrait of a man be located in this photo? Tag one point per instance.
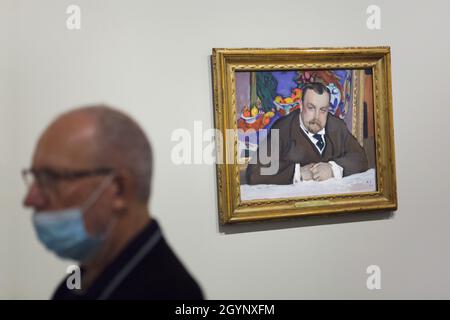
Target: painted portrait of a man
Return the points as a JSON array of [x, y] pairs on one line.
[[316, 128]]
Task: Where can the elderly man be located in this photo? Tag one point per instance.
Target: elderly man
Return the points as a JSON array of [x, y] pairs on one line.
[[313, 144], [89, 189]]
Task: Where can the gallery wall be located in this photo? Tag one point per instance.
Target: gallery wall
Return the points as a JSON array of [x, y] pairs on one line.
[[152, 59]]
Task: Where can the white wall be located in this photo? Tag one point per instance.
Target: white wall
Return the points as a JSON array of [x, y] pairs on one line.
[[5, 156], [151, 58]]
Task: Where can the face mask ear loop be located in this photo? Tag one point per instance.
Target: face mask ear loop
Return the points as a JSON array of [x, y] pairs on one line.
[[94, 197], [97, 193]]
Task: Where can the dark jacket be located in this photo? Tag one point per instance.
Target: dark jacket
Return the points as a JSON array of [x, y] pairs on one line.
[[146, 269], [295, 147]]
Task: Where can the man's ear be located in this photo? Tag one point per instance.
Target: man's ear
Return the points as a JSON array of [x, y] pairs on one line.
[[119, 200]]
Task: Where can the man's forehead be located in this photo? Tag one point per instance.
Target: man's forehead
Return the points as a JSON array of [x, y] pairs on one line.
[[322, 99], [69, 142]]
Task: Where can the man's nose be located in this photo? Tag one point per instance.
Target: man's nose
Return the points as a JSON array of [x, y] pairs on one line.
[[316, 114], [35, 197]]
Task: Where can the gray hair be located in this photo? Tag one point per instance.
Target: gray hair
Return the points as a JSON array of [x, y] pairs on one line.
[[121, 138]]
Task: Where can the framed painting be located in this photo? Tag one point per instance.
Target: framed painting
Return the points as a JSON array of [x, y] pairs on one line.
[[303, 131]]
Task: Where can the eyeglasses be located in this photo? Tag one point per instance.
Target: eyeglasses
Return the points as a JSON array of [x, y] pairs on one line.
[[48, 179]]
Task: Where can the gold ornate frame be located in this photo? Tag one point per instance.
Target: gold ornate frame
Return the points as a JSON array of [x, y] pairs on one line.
[[226, 61]]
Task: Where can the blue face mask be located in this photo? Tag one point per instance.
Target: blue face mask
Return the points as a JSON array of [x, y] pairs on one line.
[[64, 233]]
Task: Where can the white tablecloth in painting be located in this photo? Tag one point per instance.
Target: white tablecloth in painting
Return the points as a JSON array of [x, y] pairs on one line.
[[360, 182]]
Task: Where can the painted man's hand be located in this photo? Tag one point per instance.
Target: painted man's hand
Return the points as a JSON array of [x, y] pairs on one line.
[[305, 172], [322, 171]]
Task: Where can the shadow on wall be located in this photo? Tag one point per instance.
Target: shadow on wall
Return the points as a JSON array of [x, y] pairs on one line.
[[309, 221]]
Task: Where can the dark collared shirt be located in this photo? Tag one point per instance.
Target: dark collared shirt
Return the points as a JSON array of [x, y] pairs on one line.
[[146, 269]]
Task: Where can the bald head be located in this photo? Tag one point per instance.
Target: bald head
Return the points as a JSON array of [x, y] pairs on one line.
[[99, 135]]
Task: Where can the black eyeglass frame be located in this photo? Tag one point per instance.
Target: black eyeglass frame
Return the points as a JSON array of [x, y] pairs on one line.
[[44, 175]]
